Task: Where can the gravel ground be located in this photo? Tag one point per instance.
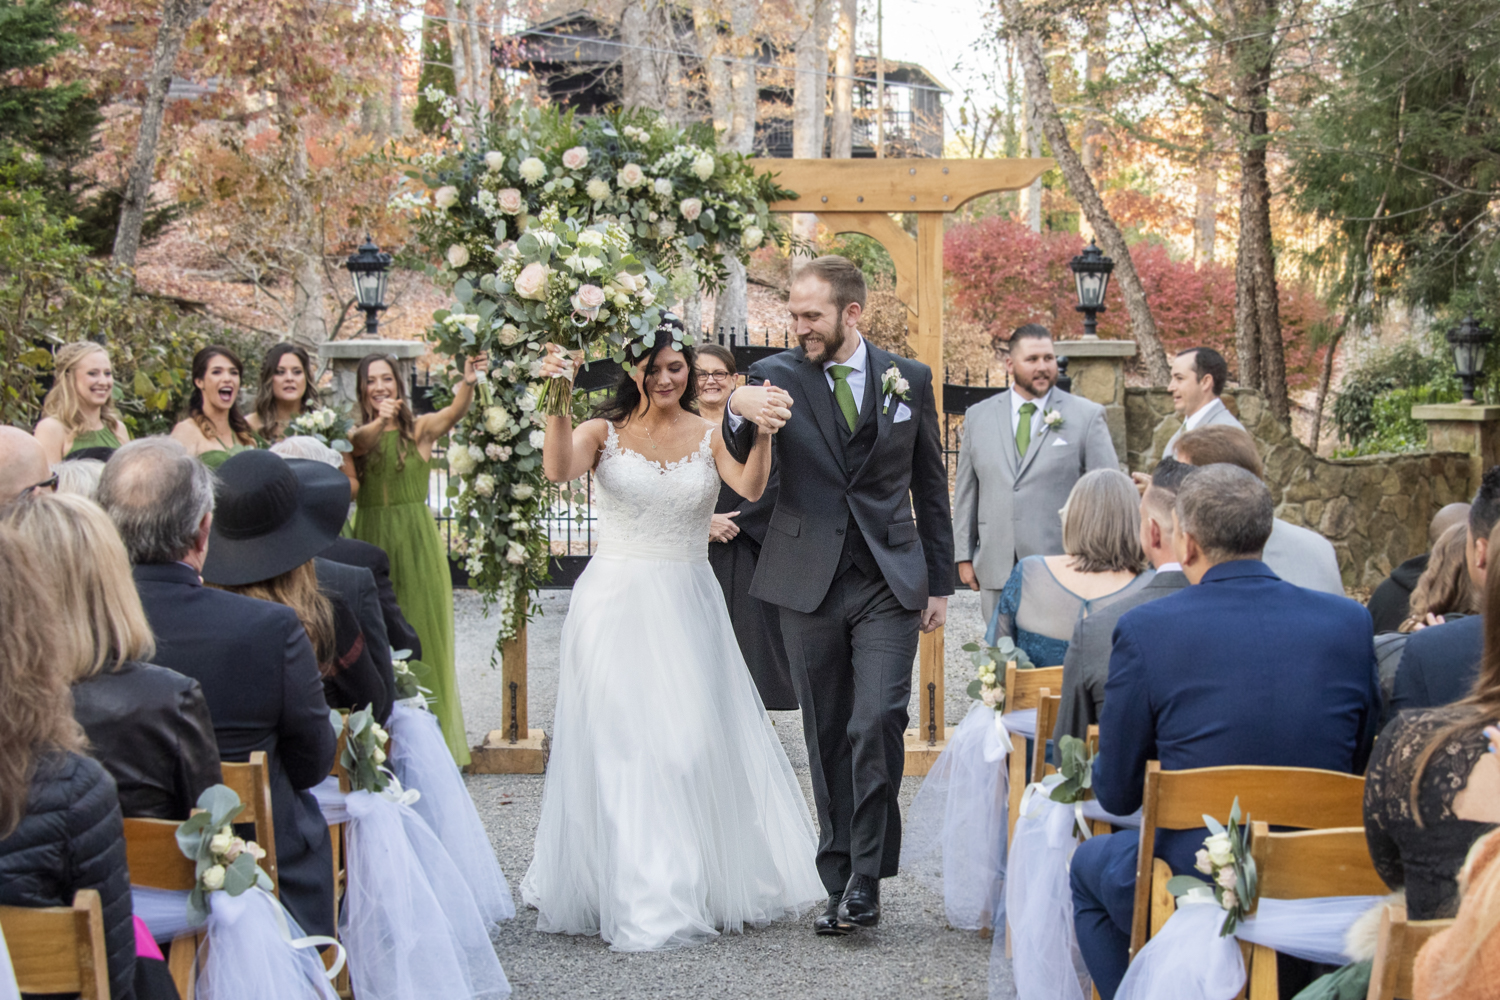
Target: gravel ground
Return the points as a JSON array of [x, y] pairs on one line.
[[913, 954]]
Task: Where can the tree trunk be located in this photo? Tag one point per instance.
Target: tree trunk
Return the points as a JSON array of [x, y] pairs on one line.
[[652, 69], [1206, 201], [176, 17], [308, 324], [743, 86], [842, 139], [458, 43], [1142, 325], [397, 126], [1097, 64], [1033, 150], [711, 52], [807, 104], [732, 306], [477, 31]]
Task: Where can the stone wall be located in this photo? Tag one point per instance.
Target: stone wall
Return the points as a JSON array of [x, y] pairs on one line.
[[1374, 509]]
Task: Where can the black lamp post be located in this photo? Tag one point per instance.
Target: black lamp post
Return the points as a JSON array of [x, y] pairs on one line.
[[1091, 270], [368, 268], [1468, 341]]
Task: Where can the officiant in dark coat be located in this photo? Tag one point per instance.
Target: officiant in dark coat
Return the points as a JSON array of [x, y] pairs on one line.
[[738, 532]]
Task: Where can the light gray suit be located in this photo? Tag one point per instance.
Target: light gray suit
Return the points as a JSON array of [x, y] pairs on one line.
[[1217, 415], [1005, 505]]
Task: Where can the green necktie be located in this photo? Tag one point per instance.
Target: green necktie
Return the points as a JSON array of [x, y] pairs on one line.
[[845, 395], [1023, 429]]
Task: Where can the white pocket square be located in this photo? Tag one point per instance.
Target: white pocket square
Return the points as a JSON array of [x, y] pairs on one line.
[[903, 413], [1058, 442]]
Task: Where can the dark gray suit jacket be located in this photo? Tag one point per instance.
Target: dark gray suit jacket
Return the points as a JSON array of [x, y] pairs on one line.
[[356, 585], [1439, 665], [1086, 666]]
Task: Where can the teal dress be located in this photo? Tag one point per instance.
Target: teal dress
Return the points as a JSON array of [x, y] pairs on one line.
[[391, 511]]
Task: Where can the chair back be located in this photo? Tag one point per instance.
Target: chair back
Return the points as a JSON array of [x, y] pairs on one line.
[[59, 949], [251, 781], [155, 862], [1396, 950], [1047, 707], [1023, 688], [1299, 797]]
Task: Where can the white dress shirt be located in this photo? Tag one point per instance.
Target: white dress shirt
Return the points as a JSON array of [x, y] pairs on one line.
[[1017, 401], [1201, 414], [858, 361]]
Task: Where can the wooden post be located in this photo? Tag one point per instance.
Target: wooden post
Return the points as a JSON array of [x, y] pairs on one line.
[[514, 748]]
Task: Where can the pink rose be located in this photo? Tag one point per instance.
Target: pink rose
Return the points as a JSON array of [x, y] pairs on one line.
[[531, 283], [691, 208], [588, 300], [576, 158], [631, 175], [510, 201]]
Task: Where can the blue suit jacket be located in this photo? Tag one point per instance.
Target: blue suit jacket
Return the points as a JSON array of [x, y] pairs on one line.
[[1242, 669], [1439, 664]]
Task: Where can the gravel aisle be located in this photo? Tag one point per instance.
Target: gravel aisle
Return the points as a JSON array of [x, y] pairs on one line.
[[913, 954]]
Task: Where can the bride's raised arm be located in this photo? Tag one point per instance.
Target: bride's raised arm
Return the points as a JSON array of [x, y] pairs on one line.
[[568, 453], [749, 479]]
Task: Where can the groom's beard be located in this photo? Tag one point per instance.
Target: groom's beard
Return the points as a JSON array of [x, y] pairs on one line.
[[820, 347]]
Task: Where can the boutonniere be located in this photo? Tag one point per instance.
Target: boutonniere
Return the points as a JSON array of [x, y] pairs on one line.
[[893, 384], [1052, 419]]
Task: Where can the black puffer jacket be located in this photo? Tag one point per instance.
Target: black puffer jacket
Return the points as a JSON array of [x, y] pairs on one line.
[[71, 838]]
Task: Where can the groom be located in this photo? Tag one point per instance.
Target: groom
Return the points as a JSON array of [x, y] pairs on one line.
[[855, 570]]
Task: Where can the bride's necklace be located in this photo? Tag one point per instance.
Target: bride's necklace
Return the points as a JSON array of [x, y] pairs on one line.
[[651, 439]]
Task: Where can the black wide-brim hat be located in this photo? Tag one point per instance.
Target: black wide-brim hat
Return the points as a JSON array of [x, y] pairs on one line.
[[272, 515]]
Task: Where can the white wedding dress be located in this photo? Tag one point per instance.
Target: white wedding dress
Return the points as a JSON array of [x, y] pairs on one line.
[[670, 811]]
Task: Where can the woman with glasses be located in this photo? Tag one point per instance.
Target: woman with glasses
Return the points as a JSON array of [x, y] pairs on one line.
[[738, 529]]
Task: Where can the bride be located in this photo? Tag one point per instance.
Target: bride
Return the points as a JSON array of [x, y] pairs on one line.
[[670, 811]]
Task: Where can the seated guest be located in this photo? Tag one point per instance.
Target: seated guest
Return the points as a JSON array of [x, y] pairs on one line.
[[1296, 554], [353, 552], [79, 476], [1102, 563], [252, 658], [1463, 961], [60, 827], [1086, 666], [1390, 603], [1433, 787], [1443, 593], [1439, 664], [23, 465], [149, 726], [262, 545], [1241, 668]]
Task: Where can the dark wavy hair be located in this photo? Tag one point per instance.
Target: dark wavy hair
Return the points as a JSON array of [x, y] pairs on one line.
[[238, 425], [406, 421], [265, 395], [625, 397]]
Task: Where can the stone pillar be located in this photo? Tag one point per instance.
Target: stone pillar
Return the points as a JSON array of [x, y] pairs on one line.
[[1464, 427], [344, 357], [1097, 368]]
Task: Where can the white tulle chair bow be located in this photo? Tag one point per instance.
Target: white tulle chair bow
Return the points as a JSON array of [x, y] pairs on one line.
[[8, 988], [253, 949]]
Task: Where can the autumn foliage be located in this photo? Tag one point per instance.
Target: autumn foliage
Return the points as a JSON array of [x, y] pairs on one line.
[[1001, 275]]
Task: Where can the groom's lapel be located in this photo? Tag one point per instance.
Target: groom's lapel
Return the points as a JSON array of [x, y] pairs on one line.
[[816, 395], [1007, 435]]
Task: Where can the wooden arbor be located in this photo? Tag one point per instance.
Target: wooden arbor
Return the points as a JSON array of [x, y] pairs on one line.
[[857, 196]]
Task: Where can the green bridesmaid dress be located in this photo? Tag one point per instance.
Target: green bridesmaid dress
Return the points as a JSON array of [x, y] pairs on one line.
[[102, 438], [391, 512]]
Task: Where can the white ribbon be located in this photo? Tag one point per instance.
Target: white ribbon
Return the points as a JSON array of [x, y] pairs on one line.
[[234, 907]]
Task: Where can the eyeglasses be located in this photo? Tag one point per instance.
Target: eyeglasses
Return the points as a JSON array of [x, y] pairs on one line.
[[714, 376], [49, 484]]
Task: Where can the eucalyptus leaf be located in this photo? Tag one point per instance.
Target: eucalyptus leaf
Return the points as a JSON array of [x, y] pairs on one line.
[[1181, 885], [463, 291]]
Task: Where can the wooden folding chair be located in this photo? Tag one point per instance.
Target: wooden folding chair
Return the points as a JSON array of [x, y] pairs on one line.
[[155, 862], [1299, 797], [251, 781], [1396, 950], [1308, 864], [336, 832], [1048, 705], [59, 949], [1023, 690]]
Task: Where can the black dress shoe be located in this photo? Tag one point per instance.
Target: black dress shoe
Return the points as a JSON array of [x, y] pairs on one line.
[[829, 923], [861, 903]]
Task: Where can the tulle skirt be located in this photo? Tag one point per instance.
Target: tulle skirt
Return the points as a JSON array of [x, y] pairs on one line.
[[670, 811]]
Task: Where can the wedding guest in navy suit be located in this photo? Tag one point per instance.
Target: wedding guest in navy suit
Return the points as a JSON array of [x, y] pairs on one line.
[[1241, 668], [1439, 664], [252, 658]]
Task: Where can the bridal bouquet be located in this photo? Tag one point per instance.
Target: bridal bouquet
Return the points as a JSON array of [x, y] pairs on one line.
[[989, 665], [223, 861], [329, 425], [1225, 859]]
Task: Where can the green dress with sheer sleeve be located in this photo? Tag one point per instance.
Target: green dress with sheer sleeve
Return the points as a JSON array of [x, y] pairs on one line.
[[391, 512], [104, 437]]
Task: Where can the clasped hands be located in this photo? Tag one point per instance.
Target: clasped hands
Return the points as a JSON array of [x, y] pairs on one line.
[[765, 406]]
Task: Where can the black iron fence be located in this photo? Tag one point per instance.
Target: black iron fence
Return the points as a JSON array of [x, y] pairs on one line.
[[572, 526]]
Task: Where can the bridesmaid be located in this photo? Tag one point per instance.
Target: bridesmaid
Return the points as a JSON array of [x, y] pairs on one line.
[[286, 391], [214, 427], [392, 451], [79, 411], [735, 536]]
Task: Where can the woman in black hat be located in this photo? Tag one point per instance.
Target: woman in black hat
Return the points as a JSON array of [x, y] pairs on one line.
[[268, 526]]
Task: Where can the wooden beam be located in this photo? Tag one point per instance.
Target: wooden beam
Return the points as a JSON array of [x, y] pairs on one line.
[[897, 242], [912, 185]]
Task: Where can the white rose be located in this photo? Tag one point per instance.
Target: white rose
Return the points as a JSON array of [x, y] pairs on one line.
[[510, 335], [484, 485], [1227, 878], [901, 386], [494, 160], [751, 237], [458, 256], [576, 158], [663, 187], [703, 166], [647, 297], [537, 438], [446, 196], [515, 554], [213, 877], [510, 201], [531, 283], [1220, 851], [377, 755], [629, 282], [1202, 863], [591, 238], [532, 170], [597, 189], [219, 842], [523, 491], [631, 175], [691, 208]]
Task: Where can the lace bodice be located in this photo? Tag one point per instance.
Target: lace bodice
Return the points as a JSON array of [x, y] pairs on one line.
[[651, 511]]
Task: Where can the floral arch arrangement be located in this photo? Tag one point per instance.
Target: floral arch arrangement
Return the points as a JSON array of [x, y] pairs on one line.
[[575, 230]]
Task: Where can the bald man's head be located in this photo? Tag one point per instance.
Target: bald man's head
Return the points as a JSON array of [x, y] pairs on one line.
[[1453, 513], [23, 463]]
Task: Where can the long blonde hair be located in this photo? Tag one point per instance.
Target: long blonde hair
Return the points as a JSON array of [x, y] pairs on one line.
[[298, 590], [104, 625], [36, 700], [1444, 586], [62, 402]]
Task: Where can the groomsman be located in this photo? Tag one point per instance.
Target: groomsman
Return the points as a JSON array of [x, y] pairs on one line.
[[1198, 377], [1021, 452]]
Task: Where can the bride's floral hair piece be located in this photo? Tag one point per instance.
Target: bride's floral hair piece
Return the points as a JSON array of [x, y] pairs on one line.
[[625, 397]]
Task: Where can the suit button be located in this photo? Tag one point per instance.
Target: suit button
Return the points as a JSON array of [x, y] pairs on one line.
[[838, 531]]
